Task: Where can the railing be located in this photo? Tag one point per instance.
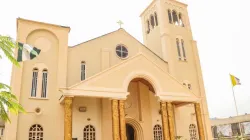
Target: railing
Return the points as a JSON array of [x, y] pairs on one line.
[[231, 131]]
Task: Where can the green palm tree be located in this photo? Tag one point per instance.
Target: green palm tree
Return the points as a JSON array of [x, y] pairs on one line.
[[7, 99]]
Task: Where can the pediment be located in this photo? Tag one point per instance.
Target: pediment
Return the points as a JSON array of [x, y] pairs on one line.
[[114, 81]]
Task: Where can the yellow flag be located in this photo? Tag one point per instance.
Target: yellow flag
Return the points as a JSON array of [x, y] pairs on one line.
[[235, 80]]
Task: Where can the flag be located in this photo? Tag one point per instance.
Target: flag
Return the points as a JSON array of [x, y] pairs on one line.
[[235, 80], [26, 52]]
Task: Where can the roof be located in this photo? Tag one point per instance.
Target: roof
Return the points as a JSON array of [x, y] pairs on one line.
[[117, 31], [230, 120], [96, 37], [67, 27]]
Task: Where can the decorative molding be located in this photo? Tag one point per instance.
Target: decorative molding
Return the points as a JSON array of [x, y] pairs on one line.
[[137, 127]]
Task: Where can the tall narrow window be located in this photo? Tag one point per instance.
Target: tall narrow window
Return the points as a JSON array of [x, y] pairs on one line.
[[156, 19], [34, 82], [175, 17], [89, 133], [181, 20], [157, 132], [44, 83], [178, 48], [189, 86], [148, 27], [170, 17], [36, 132], [83, 71], [152, 20], [183, 49], [192, 132]]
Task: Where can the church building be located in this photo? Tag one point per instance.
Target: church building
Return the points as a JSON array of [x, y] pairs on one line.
[[112, 87]]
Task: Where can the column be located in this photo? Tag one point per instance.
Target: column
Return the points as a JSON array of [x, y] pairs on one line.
[[122, 120], [164, 121], [171, 121], [199, 121], [68, 118], [115, 120]]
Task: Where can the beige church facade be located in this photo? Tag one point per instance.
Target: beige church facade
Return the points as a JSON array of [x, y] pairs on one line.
[[112, 87]]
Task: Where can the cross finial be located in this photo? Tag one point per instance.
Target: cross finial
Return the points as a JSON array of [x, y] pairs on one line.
[[120, 23]]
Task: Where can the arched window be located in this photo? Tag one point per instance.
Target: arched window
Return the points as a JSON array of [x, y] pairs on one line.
[[156, 19], [192, 132], [178, 48], [89, 133], [181, 20], [83, 71], [170, 17], [34, 82], [152, 20], [183, 49], [44, 83], [189, 86], [148, 27], [157, 132], [36, 132], [175, 17]]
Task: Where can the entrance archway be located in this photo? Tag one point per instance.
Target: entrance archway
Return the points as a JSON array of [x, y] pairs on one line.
[[138, 135], [139, 105], [131, 135]]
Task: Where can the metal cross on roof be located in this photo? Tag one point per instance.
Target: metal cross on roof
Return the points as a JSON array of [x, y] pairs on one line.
[[120, 23]]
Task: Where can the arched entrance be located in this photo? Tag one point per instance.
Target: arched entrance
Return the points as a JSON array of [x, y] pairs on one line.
[[130, 132], [137, 129], [141, 109]]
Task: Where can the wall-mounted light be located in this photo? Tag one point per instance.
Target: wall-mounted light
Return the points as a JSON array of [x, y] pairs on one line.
[[82, 109], [38, 111]]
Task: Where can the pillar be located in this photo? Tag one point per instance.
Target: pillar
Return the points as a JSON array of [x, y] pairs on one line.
[[171, 120], [199, 121], [115, 120], [68, 118], [165, 121], [122, 120]]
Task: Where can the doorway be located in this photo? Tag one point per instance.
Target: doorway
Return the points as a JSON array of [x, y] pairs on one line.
[[130, 132]]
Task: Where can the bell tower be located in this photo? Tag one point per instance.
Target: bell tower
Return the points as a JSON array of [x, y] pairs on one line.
[[167, 32]]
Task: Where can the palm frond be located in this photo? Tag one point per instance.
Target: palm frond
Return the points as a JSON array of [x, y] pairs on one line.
[[4, 87], [7, 45], [9, 100], [3, 113]]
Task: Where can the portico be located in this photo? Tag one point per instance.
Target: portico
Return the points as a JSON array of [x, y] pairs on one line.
[[163, 89]]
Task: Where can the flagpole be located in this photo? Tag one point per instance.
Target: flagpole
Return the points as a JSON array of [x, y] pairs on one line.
[[237, 113]]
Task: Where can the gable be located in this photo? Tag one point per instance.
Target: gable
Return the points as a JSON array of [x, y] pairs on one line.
[[99, 54], [116, 79]]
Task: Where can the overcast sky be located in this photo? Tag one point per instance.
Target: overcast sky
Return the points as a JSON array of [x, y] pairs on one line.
[[221, 28]]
